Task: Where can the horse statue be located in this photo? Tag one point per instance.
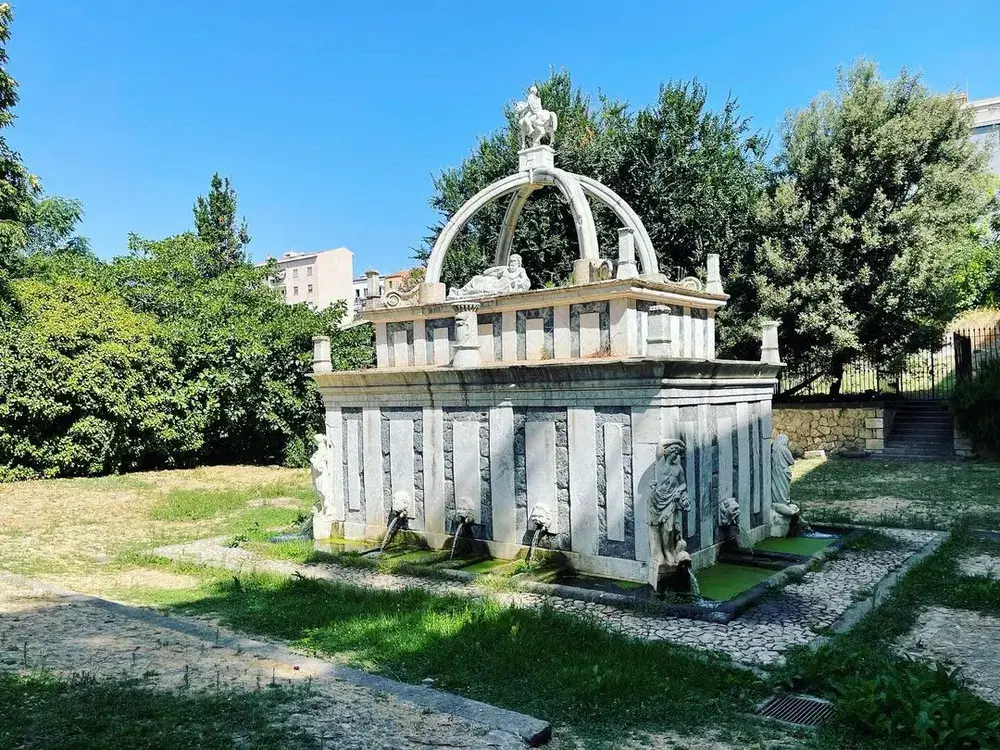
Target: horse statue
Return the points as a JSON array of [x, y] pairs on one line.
[[535, 123]]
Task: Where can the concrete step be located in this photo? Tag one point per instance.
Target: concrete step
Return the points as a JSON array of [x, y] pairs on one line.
[[897, 452]]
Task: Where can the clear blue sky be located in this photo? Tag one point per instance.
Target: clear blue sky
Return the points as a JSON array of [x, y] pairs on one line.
[[332, 117]]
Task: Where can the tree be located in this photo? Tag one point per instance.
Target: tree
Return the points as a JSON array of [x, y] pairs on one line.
[[243, 355], [215, 223], [18, 188], [51, 228], [876, 188], [978, 278], [694, 176], [88, 387]]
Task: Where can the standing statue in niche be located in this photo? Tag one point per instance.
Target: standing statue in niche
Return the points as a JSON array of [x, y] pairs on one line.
[[322, 478], [668, 499], [495, 281], [535, 122], [784, 513]]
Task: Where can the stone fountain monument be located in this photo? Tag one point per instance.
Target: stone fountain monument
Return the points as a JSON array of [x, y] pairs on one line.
[[596, 410]]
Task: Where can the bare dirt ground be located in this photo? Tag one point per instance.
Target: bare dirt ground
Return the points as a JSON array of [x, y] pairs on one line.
[[42, 631]]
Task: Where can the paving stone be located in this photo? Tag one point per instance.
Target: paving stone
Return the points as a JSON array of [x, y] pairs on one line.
[[779, 623]]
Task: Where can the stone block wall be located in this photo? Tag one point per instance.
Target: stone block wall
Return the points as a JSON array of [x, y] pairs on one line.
[[835, 428]]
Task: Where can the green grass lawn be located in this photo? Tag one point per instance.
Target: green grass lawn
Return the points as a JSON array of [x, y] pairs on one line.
[[917, 494], [886, 701], [572, 672], [594, 685]]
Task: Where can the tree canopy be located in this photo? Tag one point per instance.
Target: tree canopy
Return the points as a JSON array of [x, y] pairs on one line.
[[18, 188], [694, 176], [216, 224], [872, 206], [852, 236]]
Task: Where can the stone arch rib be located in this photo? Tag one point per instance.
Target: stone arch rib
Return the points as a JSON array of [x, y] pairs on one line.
[[489, 193], [575, 188], [569, 186], [628, 217]]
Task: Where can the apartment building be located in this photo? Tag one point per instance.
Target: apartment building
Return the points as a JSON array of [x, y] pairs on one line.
[[986, 127], [319, 279]]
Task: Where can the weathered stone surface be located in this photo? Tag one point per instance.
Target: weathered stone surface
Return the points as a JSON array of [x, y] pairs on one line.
[[502, 474], [963, 639], [792, 617], [614, 483], [833, 429], [583, 487], [540, 450]]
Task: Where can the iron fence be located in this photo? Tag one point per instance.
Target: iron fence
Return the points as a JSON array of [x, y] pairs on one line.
[[930, 374]]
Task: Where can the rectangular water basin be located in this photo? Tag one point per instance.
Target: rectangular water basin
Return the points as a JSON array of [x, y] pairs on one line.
[[795, 545], [724, 581]]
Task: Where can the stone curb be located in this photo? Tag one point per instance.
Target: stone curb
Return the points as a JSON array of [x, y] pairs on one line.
[[529, 729], [853, 614]]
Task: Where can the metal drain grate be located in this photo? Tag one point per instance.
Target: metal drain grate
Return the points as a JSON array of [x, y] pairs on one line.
[[803, 710]]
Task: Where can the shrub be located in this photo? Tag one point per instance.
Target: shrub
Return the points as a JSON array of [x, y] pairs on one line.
[[976, 406], [912, 705], [86, 386]]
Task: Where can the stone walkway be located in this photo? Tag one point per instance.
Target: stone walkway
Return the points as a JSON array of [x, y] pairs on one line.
[[760, 636], [962, 639], [71, 635]]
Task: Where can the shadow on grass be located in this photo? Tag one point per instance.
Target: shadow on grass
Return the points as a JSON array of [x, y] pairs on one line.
[[538, 662], [41, 711]]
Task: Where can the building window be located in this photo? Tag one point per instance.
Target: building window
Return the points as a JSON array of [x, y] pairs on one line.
[[295, 273], [309, 270], [309, 289], [295, 291], [357, 293]]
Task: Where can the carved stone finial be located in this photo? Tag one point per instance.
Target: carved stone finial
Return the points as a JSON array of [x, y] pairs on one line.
[[713, 279], [534, 122], [769, 353], [626, 254], [658, 332], [321, 354]]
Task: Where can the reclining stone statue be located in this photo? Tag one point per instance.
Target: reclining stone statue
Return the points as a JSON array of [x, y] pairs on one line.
[[495, 281]]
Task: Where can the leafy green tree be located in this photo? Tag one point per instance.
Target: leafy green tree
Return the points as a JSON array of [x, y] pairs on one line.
[[978, 278], [867, 220], [51, 228], [694, 176], [243, 355], [215, 222], [86, 386], [18, 188]]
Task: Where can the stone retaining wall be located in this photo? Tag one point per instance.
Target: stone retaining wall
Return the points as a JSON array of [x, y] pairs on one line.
[[840, 428]]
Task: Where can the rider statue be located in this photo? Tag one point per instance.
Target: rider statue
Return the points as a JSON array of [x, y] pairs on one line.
[[534, 121]]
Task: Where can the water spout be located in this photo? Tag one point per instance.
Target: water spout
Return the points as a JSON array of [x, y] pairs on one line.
[[534, 543], [695, 588], [390, 532], [463, 521]]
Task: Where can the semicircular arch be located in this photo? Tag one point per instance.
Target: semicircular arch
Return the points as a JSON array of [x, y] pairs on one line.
[[524, 183]]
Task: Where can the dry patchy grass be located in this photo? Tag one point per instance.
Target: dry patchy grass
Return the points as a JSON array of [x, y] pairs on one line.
[[80, 532]]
